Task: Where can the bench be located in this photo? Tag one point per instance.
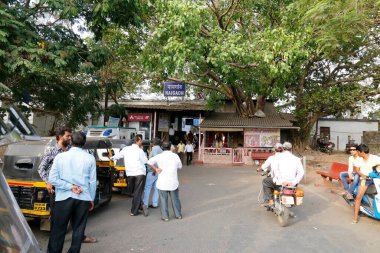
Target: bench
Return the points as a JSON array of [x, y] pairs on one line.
[[333, 173], [260, 156]]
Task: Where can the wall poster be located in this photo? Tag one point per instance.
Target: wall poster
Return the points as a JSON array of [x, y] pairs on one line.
[[261, 137]]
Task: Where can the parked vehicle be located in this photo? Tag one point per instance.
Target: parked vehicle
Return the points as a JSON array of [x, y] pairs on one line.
[[119, 178], [370, 204], [325, 145], [21, 161], [15, 233], [284, 199]]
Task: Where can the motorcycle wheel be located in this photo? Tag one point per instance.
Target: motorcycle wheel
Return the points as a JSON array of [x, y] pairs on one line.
[[283, 217]]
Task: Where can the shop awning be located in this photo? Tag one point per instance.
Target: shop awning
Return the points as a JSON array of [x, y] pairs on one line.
[[222, 129]]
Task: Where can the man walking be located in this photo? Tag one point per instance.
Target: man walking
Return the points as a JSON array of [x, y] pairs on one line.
[[189, 148], [135, 160], [181, 150], [151, 178], [166, 165], [63, 137], [73, 174]]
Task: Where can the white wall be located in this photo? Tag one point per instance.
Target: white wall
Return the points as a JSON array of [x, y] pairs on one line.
[[343, 129]]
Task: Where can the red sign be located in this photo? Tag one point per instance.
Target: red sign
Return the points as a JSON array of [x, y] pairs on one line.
[[139, 117]]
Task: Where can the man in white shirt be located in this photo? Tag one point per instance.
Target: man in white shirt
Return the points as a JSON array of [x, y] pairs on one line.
[[166, 165], [288, 171], [270, 163], [134, 160], [189, 149], [369, 161], [354, 163]]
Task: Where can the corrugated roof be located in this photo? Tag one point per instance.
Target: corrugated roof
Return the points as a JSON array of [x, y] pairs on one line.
[[234, 120], [187, 105]]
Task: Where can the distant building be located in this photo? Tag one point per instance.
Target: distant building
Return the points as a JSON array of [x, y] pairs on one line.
[[341, 131]]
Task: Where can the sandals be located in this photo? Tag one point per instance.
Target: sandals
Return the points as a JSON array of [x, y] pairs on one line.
[[354, 221]]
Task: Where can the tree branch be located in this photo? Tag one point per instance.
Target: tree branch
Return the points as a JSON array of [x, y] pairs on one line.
[[228, 9], [240, 66], [233, 12], [201, 85]]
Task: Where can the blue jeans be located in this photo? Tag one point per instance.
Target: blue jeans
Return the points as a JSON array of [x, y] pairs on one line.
[[176, 203], [349, 188], [149, 184]]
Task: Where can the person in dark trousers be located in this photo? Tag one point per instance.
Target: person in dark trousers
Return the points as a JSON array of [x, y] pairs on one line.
[[63, 137], [189, 149], [135, 160], [73, 174]]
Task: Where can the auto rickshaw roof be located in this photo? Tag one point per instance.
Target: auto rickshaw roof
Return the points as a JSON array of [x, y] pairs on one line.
[[97, 143]]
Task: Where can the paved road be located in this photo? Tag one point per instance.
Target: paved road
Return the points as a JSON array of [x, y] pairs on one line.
[[221, 214]]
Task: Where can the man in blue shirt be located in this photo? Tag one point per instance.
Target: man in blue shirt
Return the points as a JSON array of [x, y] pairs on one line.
[[151, 178], [73, 174]]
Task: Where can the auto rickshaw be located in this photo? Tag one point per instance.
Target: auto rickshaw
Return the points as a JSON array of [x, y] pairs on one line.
[[21, 161], [102, 150], [120, 178], [15, 233]]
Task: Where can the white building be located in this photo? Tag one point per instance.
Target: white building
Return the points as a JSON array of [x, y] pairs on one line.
[[340, 131]]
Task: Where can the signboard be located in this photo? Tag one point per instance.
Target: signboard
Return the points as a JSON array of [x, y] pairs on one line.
[[261, 137], [174, 89], [139, 117], [163, 122]]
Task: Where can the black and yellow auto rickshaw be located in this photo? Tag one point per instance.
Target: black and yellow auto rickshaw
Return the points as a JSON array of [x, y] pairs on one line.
[[119, 178], [21, 161], [120, 182], [15, 233]]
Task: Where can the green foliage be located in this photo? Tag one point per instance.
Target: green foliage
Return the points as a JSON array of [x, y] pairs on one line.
[[42, 56]]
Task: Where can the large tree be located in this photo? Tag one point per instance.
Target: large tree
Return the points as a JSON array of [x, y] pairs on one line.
[[313, 53], [45, 63]]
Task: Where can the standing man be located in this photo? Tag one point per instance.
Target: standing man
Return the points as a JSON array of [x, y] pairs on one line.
[[63, 137], [189, 148], [166, 165], [73, 174], [151, 178], [135, 160], [181, 150], [288, 171]]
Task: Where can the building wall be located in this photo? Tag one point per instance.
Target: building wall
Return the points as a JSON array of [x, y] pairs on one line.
[[341, 131]]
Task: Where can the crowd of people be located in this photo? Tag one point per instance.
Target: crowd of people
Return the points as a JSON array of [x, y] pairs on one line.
[[70, 176]]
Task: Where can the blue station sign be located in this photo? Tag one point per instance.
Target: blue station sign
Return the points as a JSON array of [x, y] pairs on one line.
[[174, 89]]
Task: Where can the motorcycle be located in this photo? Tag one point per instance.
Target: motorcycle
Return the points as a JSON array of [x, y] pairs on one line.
[[370, 204], [284, 199], [325, 146]]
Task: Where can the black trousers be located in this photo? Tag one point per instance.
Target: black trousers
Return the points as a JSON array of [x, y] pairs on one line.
[[75, 211], [189, 157], [268, 187], [136, 185]]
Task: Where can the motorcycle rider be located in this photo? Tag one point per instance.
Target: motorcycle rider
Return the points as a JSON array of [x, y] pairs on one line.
[[268, 165], [366, 167], [354, 161], [287, 170]]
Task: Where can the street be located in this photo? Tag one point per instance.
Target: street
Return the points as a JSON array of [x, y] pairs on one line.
[[221, 214]]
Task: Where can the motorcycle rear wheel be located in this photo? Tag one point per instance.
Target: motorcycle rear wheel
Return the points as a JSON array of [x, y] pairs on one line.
[[283, 218]]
